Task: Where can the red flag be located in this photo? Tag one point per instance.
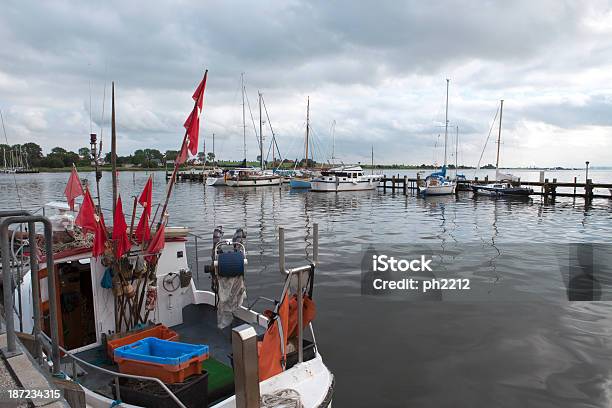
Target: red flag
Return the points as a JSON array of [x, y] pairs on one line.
[[120, 236], [192, 124], [157, 243], [100, 237], [74, 188], [86, 219], [143, 231]]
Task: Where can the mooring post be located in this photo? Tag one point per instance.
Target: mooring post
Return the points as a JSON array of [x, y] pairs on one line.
[[575, 181], [546, 188], [554, 189], [246, 366], [588, 190], [405, 185], [281, 250], [384, 183], [486, 178], [393, 184], [315, 242]]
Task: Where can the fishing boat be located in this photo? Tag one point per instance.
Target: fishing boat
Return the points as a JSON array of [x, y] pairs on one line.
[[344, 178], [116, 311], [505, 184], [87, 315], [438, 183]]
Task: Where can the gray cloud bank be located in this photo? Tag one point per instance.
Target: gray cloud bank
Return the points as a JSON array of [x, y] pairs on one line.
[[377, 68]]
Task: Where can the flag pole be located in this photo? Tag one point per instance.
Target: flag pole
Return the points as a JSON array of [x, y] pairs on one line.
[[176, 165], [114, 150]]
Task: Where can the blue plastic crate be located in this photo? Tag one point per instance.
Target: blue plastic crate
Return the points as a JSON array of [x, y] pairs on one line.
[[154, 350]]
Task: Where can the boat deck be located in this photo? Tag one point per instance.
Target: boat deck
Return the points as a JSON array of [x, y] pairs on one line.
[[199, 327]]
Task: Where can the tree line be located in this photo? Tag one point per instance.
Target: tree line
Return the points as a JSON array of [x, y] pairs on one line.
[[31, 154]]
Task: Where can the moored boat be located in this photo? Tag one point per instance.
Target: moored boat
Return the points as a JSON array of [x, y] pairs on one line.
[[344, 178], [251, 177]]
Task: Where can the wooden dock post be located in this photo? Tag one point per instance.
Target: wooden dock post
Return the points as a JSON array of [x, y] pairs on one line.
[[546, 188], [486, 179], [575, 180], [405, 185], [384, 183], [588, 190], [553, 189], [393, 184]]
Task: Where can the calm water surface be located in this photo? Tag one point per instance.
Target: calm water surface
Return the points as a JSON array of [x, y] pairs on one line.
[[546, 352]]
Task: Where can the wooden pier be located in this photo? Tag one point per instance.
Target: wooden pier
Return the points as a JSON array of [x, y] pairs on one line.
[[548, 188]]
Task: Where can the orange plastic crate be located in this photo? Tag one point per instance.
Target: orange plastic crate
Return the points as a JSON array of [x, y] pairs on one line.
[[168, 374], [160, 331]]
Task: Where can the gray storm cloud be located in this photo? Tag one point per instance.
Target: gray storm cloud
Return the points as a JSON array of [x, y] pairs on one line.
[[377, 69]]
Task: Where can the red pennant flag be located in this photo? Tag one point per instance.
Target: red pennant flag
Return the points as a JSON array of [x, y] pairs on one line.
[[100, 237], [74, 188], [157, 243], [86, 219], [192, 124], [120, 236], [143, 231]]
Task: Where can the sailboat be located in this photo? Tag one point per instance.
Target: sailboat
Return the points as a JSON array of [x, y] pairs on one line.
[[251, 176], [438, 183], [302, 178], [504, 182]]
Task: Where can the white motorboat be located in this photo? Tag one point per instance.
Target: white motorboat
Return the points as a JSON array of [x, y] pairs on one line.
[[344, 178]]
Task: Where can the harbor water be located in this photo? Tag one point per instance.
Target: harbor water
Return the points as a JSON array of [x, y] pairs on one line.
[[536, 351]]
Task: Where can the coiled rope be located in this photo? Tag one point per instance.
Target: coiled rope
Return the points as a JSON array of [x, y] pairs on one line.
[[286, 398]]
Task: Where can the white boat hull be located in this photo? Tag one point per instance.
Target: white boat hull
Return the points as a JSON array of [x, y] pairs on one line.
[[215, 181], [335, 186], [444, 189], [255, 182]]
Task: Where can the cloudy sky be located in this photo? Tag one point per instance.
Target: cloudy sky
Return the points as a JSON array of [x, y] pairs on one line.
[[377, 69]]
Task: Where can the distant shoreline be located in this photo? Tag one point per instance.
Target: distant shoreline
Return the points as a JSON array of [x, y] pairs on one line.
[[376, 167]]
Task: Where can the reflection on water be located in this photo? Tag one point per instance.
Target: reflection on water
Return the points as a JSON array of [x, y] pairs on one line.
[[538, 353]]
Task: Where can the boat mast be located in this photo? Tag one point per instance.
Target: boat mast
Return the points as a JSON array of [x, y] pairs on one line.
[[243, 121], [456, 153], [372, 159], [446, 123], [261, 159], [307, 128], [114, 147], [501, 111], [333, 130]]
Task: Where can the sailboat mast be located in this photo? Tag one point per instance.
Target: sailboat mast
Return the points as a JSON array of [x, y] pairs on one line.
[[307, 128], [372, 159], [501, 111], [456, 153], [446, 123], [261, 159], [243, 121]]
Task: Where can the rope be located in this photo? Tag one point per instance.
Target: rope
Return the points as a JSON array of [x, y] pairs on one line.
[[285, 398]]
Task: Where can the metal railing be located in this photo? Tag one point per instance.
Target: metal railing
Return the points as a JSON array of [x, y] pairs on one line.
[[21, 217]]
